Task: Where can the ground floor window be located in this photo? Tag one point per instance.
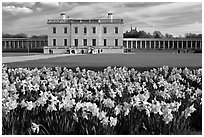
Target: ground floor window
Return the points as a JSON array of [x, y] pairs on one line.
[[116, 42], [54, 42], [76, 42], [104, 42], [65, 42], [85, 42], [93, 42]]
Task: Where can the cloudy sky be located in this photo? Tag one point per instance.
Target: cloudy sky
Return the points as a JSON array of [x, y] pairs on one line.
[[167, 17]]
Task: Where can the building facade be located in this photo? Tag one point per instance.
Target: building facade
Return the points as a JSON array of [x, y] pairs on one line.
[[85, 35]]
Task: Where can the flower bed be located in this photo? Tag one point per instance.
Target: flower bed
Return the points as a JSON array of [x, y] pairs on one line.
[[114, 101]]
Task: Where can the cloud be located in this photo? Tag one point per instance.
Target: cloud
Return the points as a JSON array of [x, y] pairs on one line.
[[16, 10], [52, 4], [148, 16]]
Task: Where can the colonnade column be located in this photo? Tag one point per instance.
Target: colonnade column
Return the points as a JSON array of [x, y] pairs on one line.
[[200, 44], [196, 44], [145, 44], [172, 44], [187, 44], [168, 42], [191, 44], [136, 44], [9, 43], [17, 44]]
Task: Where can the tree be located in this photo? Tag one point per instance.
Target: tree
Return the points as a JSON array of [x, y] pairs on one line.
[[19, 35], [167, 35], [190, 35], [39, 37], [157, 34]]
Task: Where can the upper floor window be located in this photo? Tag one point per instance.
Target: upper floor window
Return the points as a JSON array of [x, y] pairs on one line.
[[54, 30], [116, 29], [85, 30], [94, 29], [105, 30], [65, 30], [76, 30]]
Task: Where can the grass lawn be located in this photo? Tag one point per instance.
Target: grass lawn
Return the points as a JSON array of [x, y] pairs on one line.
[[143, 60], [10, 54]]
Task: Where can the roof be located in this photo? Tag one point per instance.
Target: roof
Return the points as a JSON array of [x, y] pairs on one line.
[[24, 39], [164, 39], [85, 21]]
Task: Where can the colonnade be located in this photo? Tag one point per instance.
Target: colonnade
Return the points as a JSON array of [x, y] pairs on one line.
[[130, 43], [22, 43]]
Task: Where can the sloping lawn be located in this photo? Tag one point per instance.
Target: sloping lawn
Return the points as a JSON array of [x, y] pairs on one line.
[[136, 60], [10, 54]]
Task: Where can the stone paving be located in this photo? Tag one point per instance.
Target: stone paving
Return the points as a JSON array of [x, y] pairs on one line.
[[34, 57]]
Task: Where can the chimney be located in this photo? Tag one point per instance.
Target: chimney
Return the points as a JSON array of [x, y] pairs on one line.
[[110, 16], [63, 16]]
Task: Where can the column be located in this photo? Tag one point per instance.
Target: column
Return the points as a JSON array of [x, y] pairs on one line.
[[200, 44], [164, 44], [9, 42], [145, 44], [173, 44], [131, 44], [168, 42], [187, 44], [141, 45], [177, 42], [154, 44], [136, 44], [196, 44], [191, 45], [159, 44], [181, 44]]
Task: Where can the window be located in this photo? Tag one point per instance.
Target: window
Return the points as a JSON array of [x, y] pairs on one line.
[[94, 29], [85, 30], [93, 42], [65, 30], [76, 30], [104, 30], [54, 42], [85, 42], [65, 42], [76, 42], [116, 30], [104, 42], [116, 42], [54, 30]]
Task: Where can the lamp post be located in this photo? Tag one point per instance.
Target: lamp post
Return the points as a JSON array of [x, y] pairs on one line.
[[28, 46]]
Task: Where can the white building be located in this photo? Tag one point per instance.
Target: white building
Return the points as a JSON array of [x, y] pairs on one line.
[[66, 35]]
